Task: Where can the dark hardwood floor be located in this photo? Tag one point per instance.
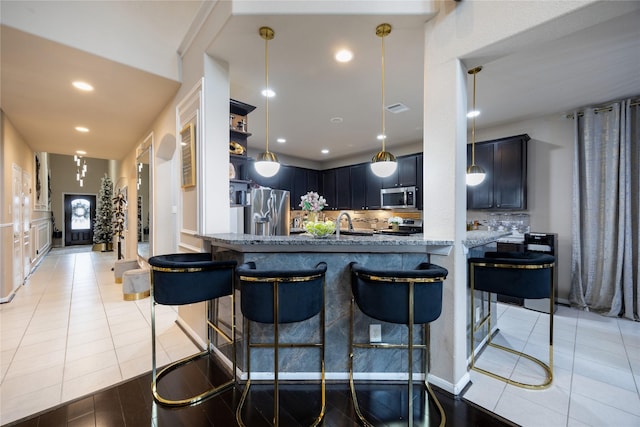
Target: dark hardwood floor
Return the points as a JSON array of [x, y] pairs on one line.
[[131, 404]]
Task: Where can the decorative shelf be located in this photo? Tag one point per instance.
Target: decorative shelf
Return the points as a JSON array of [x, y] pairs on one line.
[[240, 108], [239, 132]]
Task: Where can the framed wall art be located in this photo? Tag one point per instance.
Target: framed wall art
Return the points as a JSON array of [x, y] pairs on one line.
[[188, 151], [41, 171]]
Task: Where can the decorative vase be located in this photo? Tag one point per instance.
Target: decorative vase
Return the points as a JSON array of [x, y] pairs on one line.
[[312, 217], [395, 227]]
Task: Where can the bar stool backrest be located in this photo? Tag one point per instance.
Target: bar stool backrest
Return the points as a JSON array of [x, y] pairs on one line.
[[516, 274], [384, 294], [300, 293], [179, 279]]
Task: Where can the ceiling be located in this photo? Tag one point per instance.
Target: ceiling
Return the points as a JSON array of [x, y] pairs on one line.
[[592, 66]]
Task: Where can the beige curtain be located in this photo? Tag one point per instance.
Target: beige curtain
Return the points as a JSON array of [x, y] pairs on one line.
[[606, 210]]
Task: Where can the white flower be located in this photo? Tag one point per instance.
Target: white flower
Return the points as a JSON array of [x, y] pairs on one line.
[[394, 220], [312, 202]]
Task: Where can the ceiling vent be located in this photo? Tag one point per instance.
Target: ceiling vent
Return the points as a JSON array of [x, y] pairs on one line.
[[396, 108]]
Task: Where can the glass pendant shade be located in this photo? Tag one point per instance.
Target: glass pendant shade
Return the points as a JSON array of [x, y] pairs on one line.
[[383, 164], [475, 175], [267, 164]]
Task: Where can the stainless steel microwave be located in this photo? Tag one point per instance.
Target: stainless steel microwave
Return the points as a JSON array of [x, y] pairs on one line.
[[398, 198]]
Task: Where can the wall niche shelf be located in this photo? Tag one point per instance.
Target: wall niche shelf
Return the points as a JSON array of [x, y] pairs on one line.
[[238, 134]]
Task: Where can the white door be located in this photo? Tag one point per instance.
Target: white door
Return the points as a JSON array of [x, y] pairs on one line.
[[26, 224], [16, 210]]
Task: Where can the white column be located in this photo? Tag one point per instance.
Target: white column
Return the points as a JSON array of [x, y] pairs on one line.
[[445, 212]]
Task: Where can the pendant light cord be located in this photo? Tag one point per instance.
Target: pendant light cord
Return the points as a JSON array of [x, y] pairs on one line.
[[266, 83], [474, 71], [384, 134], [473, 124]]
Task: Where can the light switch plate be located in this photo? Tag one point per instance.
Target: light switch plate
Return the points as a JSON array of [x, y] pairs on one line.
[[375, 333]]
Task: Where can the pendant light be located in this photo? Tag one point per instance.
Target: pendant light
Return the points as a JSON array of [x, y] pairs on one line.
[[267, 163], [383, 164], [475, 174], [81, 172]]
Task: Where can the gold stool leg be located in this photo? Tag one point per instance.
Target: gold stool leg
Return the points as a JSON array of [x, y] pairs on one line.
[[276, 345], [409, 347]]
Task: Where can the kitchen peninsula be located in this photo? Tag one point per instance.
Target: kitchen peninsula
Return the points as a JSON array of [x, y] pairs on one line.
[[302, 251]]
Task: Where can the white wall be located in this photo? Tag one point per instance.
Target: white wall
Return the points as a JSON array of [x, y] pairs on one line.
[[549, 180]]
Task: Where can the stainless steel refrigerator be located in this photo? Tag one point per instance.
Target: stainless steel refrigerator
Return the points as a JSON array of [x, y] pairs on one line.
[[269, 212]]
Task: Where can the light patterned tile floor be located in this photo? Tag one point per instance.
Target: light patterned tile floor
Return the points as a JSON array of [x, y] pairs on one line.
[[594, 359], [68, 332]]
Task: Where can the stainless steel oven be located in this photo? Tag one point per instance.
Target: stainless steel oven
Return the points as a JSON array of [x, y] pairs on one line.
[[398, 198]]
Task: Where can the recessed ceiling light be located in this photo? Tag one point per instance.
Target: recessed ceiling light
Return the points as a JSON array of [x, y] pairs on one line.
[[84, 86], [344, 55], [472, 114], [82, 129], [268, 93], [281, 140], [336, 120], [81, 152], [381, 137], [324, 151], [396, 108]]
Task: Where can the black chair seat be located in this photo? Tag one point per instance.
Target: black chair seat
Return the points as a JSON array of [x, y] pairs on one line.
[[515, 274], [189, 278], [298, 300], [383, 294]]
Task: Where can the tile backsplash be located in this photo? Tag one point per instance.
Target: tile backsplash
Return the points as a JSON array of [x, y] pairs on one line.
[[366, 219]]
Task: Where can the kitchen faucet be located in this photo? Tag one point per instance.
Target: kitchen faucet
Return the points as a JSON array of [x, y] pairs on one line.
[[350, 224]]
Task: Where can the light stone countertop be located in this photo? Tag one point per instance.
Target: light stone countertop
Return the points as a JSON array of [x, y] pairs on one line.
[[482, 237], [346, 243], [415, 243]]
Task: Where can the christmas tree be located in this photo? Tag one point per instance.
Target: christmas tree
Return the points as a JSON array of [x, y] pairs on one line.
[[103, 227]]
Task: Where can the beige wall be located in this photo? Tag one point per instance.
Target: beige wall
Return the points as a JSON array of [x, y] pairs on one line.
[[15, 150]]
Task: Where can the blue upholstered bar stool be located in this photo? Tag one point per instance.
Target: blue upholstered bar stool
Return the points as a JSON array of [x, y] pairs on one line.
[[276, 297], [516, 274], [407, 297], [188, 278]]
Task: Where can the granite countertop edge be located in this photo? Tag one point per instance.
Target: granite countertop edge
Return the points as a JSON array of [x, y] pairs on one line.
[[482, 237], [474, 238], [306, 240]]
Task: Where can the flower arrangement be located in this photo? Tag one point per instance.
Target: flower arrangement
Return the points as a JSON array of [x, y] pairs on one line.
[[312, 202], [395, 220]]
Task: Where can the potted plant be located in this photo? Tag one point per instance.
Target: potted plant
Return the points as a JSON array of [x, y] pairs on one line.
[[312, 203], [395, 222]]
